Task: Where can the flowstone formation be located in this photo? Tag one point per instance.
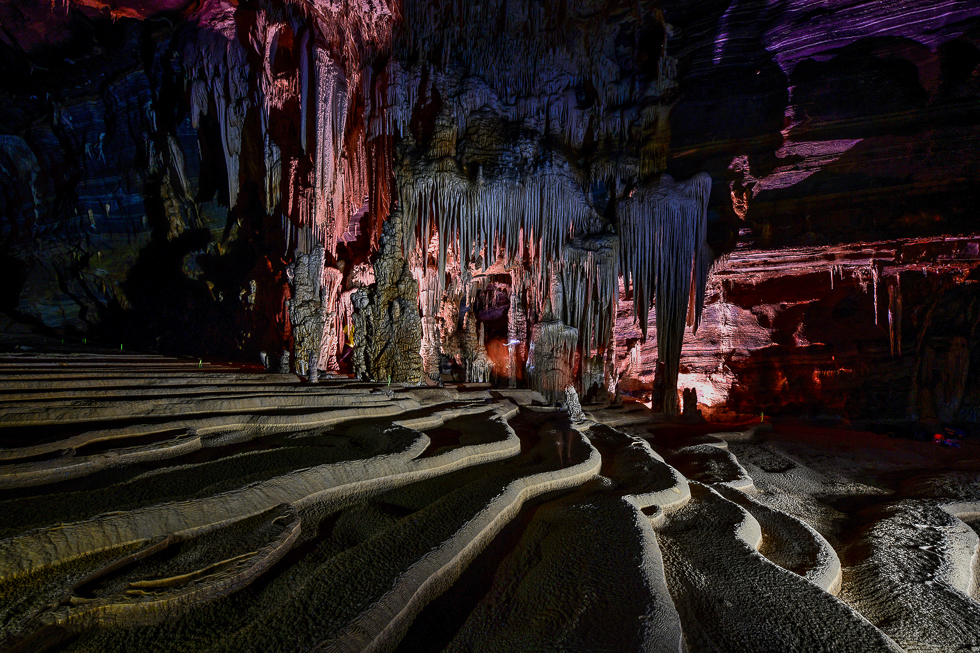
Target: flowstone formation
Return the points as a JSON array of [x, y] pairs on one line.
[[269, 514]]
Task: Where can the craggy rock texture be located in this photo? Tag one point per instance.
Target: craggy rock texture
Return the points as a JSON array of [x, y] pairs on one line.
[[164, 165], [388, 346]]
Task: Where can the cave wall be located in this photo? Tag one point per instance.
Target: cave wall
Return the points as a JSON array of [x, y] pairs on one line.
[[167, 167], [841, 139], [166, 163]]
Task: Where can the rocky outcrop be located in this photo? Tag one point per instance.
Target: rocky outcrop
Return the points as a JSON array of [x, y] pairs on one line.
[[306, 311], [387, 326]]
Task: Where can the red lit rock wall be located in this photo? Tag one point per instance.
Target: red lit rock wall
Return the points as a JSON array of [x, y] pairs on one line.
[[876, 330]]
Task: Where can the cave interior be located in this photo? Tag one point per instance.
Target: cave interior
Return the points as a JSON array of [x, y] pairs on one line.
[[489, 325]]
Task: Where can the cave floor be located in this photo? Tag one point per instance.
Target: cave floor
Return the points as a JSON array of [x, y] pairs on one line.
[[152, 503]]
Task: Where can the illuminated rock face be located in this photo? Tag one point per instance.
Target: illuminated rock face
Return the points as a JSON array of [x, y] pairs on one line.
[[164, 172], [827, 331]]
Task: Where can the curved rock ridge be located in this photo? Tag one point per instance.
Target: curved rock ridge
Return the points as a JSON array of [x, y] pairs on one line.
[[923, 598], [154, 600], [375, 628], [791, 543], [714, 538], [455, 519], [66, 541]]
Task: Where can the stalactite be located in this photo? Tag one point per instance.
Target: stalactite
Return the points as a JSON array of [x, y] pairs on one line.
[[664, 254], [304, 86], [429, 301], [895, 315], [874, 284], [590, 274], [836, 270], [198, 102]]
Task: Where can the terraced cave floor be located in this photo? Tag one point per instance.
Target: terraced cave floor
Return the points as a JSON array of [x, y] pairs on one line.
[[158, 504]]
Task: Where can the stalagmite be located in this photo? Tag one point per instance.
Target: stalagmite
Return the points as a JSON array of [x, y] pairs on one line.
[[551, 360], [306, 310], [387, 324], [330, 93], [516, 328], [331, 341], [479, 367]]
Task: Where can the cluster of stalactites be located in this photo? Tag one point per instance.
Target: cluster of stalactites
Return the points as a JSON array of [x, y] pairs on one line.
[[218, 71], [527, 225], [664, 254], [506, 218], [556, 67], [590, 281], [336, 94]]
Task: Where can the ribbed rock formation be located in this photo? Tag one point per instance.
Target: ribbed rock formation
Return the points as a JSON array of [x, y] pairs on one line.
[[166, 504], [388, 330]]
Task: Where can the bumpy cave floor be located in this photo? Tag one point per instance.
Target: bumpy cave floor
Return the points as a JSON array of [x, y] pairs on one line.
[[160, 504]]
